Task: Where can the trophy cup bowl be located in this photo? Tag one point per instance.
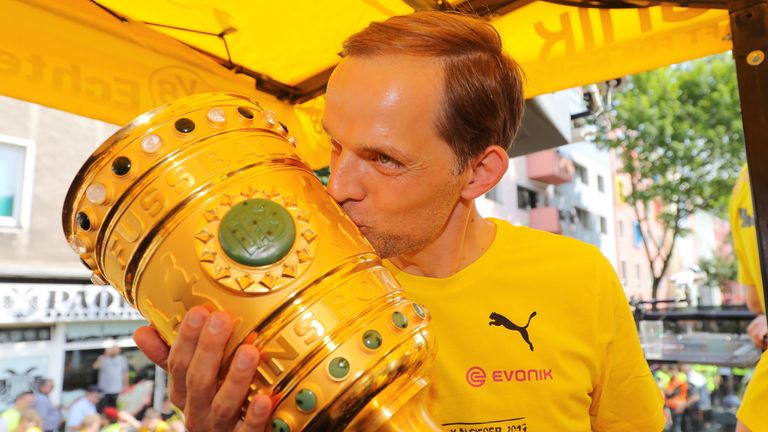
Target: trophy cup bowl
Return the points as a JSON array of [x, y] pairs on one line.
[[205, 201]]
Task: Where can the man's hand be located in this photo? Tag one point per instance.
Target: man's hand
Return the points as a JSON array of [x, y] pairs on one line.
[[193, 364], [757, 330]]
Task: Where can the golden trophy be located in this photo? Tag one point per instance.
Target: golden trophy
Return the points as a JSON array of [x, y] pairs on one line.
[[205, 201]]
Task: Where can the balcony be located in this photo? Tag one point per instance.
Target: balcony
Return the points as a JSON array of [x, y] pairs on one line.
[[545, 219], [549, 167]]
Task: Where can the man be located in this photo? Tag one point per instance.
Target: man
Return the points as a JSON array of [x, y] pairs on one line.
[[49, 414], [10, 418], [82, 408], [742, 217], [420, 112], [113, 374]]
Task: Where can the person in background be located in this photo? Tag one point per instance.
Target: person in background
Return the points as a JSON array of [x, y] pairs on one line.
[[751, 412], [699, 400], [112, 422], [30, 421], [42, 404], [91, 423], [10, 418], [113, 375], [151, 422], [82, 408], [676, 396]]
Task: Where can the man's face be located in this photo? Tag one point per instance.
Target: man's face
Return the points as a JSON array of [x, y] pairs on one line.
[[25, 401], [390, 170]]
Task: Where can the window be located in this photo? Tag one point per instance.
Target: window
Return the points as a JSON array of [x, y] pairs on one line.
[[583, 218], [620, 192], [621, 228], [16, 164], [526, 198], [581, 173], [638, 235], [603, 225], [623, 272], [600, 183], [637, 271]]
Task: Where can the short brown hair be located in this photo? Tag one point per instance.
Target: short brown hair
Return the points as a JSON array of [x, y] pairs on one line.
[[483, 87]]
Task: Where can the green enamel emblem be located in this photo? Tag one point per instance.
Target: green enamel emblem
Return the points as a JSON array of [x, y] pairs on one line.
[[306, 400], [372, 339], [257, 232], [279, 425], [419, 310], [399, 319], [339, 367]]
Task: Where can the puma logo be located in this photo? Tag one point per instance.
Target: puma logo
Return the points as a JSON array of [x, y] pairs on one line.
[[501, 320]]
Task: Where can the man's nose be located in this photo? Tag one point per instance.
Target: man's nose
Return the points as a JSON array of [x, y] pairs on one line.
[[345, 182]]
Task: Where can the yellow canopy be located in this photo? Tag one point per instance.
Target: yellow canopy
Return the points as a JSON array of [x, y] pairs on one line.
[[115, 59]]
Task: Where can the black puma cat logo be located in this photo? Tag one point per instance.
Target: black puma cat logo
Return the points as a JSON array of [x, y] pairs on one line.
[[501, 320]]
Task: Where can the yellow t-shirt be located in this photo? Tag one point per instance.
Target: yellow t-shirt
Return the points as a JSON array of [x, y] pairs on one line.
[[742, 218], [752, 409], [536, 335]]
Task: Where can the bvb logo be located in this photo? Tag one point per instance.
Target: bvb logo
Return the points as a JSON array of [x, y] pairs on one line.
[[476, 376], [172, 82]]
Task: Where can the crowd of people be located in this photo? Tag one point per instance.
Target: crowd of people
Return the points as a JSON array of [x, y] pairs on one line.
[[97, 410], [34, 412], [700, 398]]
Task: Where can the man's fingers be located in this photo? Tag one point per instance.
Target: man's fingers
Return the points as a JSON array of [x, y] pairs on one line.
[[257, 416], [225, 409], [203, 371], [757, 331], [182, 351], [151, 344]]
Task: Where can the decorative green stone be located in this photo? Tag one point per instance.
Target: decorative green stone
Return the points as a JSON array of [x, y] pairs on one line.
[[121, 166], [279, 425], [184, 125], [83, 221], [257, 232], [339, 367], [245, 112], [419, 310], [372, 339], [306, 400], [399, 319]]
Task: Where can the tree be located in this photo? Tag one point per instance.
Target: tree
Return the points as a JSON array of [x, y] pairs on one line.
[[678, 133], [720, 269]]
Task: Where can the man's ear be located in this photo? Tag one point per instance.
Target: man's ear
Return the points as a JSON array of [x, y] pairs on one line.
[[486, 170]]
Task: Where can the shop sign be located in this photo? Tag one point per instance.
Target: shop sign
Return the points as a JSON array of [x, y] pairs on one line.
[[44, 303]]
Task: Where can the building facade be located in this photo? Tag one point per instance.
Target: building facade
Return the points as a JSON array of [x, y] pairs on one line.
[[53, 321]]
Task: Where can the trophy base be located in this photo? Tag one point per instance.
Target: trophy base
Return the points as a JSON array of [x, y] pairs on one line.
[[405, 410]]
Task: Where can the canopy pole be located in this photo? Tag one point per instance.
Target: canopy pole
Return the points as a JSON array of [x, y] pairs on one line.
[[749, 29]]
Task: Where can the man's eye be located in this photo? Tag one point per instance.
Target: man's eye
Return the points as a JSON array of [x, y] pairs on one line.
[[386, 160]]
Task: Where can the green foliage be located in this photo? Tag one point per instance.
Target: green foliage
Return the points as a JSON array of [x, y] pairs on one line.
[[719, 269], [678, 134], [679, 129]]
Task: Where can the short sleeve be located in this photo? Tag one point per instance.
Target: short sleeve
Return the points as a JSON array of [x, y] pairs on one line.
[[626, 397]]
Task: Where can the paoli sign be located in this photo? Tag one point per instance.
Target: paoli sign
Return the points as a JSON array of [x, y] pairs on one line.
[[43, 303]]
